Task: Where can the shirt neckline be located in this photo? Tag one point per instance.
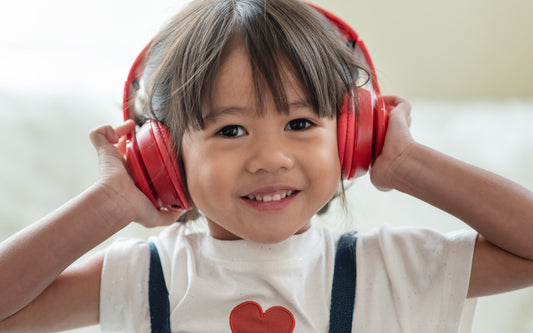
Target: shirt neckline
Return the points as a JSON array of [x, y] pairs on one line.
[[295, 247]]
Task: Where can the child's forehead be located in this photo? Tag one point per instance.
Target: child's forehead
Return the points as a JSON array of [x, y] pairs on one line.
[[238, 79], [238, 85], [216, 112]]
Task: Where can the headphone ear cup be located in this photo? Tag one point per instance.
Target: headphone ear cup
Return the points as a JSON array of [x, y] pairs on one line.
[[354, 134], [161, 167], [345, 136], [365, 134], [138, 172], [381, 119], [168, 153]]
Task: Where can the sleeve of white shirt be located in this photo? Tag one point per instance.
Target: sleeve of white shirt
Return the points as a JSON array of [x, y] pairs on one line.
[[124, 287], [414, 280]]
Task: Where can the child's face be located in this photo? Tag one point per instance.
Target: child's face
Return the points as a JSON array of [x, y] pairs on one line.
[[259, 176]]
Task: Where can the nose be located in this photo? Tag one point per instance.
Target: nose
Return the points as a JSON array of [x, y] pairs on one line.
[[271, 154]]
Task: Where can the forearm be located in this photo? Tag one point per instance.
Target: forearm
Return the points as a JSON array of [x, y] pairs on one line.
[[500, 210], [31, 259]]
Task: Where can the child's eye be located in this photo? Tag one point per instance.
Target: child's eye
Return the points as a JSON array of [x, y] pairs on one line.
[[298, 124], [232, 131]]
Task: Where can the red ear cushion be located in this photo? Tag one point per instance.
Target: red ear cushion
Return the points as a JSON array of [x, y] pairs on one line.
[[381, 118], [364, 137], [157, 160], [345, 136], [138, 172], [351, 135], [342, 123], [354, 134], [166, 148]]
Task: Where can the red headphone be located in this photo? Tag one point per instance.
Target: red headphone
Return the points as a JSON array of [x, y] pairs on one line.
[[360, 137]]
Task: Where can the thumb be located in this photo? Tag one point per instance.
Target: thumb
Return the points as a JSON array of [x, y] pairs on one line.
[[163, 217]]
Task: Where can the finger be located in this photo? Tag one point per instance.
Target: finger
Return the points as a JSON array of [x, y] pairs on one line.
[[121, 145], [102, 136], [163, 217], [402, 112], [168, 217], [394, 101], [399, 106], [125, 128]]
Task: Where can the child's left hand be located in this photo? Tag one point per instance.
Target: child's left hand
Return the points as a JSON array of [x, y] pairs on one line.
[[398, 141]]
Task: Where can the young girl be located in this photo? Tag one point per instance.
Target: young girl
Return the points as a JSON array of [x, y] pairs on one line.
[[251, 92]]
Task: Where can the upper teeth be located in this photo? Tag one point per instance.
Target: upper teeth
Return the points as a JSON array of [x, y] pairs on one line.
[[268, 197]]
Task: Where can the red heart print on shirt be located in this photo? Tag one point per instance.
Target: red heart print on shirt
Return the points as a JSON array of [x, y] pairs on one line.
[[248, 317]]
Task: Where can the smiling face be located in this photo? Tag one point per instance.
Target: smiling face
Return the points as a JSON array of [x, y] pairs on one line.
[[259, 174]]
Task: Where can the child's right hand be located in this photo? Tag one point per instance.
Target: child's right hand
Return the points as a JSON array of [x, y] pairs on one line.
[[115, 181]]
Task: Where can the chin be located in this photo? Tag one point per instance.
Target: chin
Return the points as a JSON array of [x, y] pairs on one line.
[[272, 239], [263, 232], [275, 237]]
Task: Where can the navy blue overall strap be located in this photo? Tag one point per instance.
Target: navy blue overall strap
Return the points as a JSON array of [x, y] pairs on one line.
[[158, 294], [343, 289], [342, 293]]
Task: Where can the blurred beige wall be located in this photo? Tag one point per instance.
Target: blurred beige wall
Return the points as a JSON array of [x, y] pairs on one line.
[[455, 49]]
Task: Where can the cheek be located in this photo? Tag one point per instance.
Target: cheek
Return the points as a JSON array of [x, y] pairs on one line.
[[208, 178], [329, 171], [325, 165], [333, 158], [194, 164], [334, 164]]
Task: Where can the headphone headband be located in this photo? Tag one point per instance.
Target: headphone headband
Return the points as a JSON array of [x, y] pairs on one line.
[[137, 69]]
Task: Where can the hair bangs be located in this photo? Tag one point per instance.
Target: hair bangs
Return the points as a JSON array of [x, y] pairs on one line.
[[294, 41]]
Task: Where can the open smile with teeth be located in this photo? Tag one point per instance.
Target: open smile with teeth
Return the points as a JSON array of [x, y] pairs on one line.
[[270, 197]]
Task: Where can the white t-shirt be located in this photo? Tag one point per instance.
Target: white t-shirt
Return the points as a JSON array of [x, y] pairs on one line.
[[408, 280]]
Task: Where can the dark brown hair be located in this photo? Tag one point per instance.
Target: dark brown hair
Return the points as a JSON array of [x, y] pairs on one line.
[[277, 34]]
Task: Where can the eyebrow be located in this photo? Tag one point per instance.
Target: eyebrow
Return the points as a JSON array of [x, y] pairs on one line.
[[215, 113]]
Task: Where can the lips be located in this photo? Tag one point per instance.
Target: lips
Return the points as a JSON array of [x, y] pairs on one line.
[[268, 197], [270, 200]]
